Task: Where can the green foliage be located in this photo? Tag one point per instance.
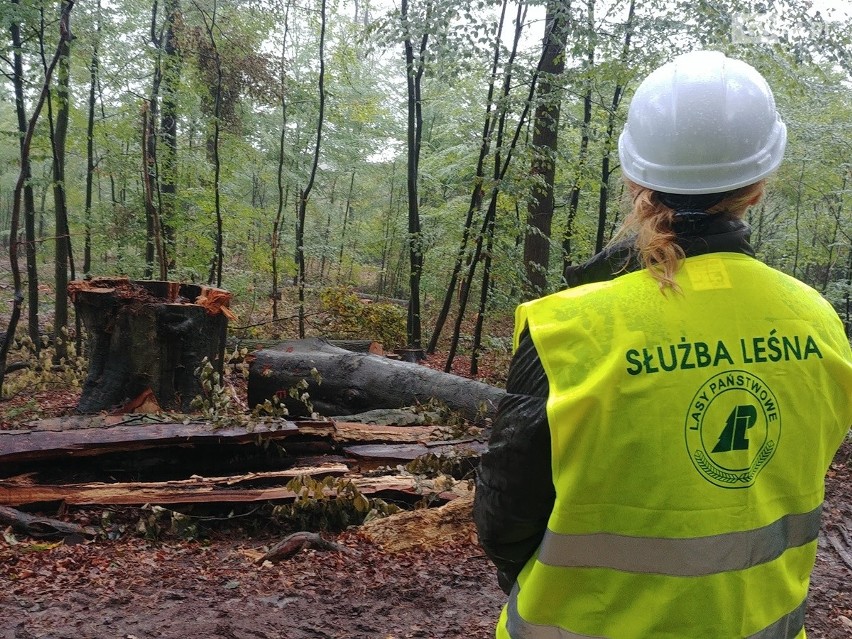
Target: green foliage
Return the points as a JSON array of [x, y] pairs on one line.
[[347, 316], [38, 369], [216, 401], [461, 465], [330, 504], [155, 522]]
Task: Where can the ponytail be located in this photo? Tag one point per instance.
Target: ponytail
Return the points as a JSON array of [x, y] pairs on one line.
[[652, 224]]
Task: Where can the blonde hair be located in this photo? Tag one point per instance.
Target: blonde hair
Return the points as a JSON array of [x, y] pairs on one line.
[[652, 223]]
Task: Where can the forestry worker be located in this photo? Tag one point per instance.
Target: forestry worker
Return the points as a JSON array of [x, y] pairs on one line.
[[657, 467]]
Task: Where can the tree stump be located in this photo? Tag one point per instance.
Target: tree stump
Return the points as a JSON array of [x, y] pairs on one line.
[[148, 335]]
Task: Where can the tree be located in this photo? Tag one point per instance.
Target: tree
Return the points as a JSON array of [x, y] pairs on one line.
[[545, 138], [64, 34]]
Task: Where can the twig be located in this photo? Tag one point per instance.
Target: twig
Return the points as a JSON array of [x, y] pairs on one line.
[[292, 544], [838, 546]]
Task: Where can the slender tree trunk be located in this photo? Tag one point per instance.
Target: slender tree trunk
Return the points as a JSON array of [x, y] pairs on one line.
[[478, 190], [582, 155], [545, 139], [848, 295], [282, 192], [152, 216], [499, 174], [347, 211], [306, 192], [603, 196], [149, 153], [29, 197], [63, 238], [90, 147], [414, 75], [172, 63], [18, 299], [215, 276], [798, 213]]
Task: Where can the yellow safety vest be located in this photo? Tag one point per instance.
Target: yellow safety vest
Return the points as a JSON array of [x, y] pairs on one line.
[[690, 433]]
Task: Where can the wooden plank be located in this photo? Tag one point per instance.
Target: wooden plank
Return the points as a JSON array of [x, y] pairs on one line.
[[199, 490]]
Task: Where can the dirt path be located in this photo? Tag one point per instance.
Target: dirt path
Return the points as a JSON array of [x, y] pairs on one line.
[[132, 589]]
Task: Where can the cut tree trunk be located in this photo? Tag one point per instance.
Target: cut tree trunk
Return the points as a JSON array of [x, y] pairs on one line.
[[351, 383], [148, 335]]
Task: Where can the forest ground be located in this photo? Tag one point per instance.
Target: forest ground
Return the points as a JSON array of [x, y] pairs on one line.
[[124, 586]]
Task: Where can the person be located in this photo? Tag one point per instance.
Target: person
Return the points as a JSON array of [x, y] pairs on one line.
[[657, 467]]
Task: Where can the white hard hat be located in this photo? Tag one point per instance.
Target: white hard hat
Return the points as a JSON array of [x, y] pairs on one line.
[[703, 123]]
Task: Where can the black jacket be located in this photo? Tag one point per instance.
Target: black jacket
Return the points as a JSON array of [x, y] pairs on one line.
[[514, 485]]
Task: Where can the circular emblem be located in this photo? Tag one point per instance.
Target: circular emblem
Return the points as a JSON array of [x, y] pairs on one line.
[[732, 428]]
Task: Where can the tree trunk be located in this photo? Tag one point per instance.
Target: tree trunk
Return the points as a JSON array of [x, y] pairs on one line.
[[305, 193], [355, 382], [29, 198], [18, 299], [413, 76], [63, 238], [90, 147], [172, 64], [610, 134], [478, 190], [544, 141], [148, 335], [582, 156]]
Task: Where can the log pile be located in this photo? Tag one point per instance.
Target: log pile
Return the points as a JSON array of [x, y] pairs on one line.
[[156, 459]]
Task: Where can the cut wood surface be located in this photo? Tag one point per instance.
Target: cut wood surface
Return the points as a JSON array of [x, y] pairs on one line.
[[90, 436], [356, 382], [15, 492]]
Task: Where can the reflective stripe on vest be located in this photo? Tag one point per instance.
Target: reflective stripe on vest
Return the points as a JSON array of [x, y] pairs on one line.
[[690, 557], [787, 627]]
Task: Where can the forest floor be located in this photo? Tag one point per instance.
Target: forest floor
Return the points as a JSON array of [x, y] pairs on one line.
[[408, 583]]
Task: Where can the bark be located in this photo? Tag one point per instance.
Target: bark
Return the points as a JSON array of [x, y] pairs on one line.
[[353, 382], [545, 142], [148, 335]]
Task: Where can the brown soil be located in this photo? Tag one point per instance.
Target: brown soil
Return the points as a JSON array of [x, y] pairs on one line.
[[412, 576]]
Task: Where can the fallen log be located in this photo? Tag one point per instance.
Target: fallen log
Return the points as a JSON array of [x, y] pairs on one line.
[[354, 382], [15, 492], [92, 436], [36, 526]]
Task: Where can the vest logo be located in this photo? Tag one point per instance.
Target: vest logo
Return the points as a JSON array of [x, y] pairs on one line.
[[732, 428]]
